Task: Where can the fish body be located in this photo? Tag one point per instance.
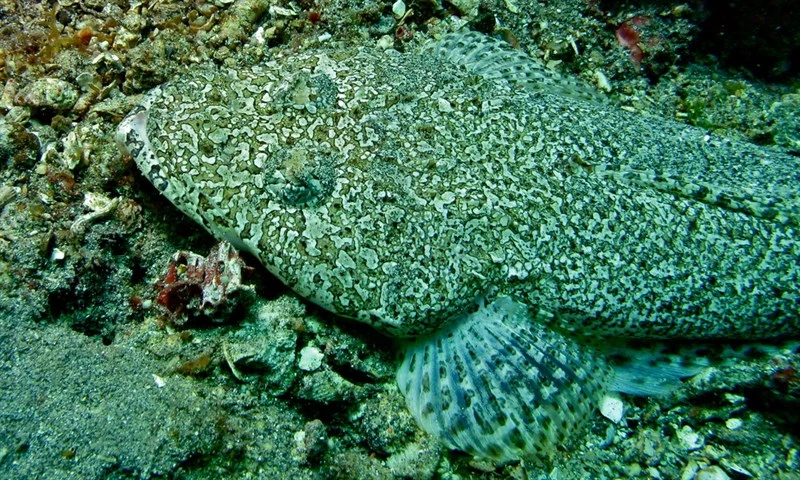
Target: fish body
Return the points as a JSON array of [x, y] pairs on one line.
[[401, 189]]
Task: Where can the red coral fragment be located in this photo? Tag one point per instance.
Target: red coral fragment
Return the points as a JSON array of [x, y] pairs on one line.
[[629, 36], [403, 33], [785, 377], [193, 284]]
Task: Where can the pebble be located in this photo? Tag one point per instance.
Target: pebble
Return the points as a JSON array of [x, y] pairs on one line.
[[418, 460], [310, 359], [734, 399], [612, 407], [634, 470], [385, 42], [74, 151], [690, 470], [399, 9], [444, 106], [715, 453], [7, 193], [125, 39], [57, 255], [734, 423], [653, 473], [48, 93], [712, 473], [689, 439], [793, 458], [325, 386], [602, 81], [100, 206]]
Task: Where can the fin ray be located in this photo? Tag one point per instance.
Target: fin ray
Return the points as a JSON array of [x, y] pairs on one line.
[[499, 386], [497, 61], [656, 368]]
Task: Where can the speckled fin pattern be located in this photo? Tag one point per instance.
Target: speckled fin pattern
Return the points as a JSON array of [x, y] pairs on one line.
[[499, 386], [495, 60]]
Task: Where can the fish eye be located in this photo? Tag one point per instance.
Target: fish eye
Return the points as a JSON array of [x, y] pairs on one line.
[[303, 177]]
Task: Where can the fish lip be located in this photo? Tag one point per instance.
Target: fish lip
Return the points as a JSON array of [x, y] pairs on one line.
[[131, 136], [132, 139], [132, 132]]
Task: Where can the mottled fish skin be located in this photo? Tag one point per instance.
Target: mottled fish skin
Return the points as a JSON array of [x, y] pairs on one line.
[[398, 188]]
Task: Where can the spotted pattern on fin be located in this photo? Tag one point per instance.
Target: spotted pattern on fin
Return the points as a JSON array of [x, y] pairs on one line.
[[497, 61], [498, 386]]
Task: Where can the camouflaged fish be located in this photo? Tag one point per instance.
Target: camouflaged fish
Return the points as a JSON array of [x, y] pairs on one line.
[[469, 197]]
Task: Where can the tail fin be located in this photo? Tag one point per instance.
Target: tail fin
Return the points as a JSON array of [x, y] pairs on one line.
[[499, 386]]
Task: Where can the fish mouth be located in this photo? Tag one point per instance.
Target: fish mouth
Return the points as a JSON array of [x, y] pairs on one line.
[[131, 131], [133, 141]]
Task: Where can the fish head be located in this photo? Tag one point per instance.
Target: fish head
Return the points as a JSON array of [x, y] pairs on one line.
[[214, 134], [301, 169]]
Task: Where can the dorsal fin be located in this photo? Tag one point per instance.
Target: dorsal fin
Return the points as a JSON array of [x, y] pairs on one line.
[[498, 61]]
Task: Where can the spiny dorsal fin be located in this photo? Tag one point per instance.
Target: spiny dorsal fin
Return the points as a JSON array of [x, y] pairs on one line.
[[498, 61]]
